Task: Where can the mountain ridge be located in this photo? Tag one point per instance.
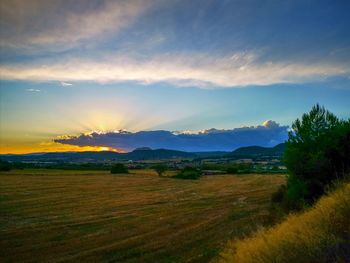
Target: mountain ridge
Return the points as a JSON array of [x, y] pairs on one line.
[[277, 150], [143, 153]]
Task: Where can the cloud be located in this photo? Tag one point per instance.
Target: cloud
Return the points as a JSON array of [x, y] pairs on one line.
[[160, 48], [270, 124], [33, 90], [239, 69], [207, 140], [66, 84], [63, 24]]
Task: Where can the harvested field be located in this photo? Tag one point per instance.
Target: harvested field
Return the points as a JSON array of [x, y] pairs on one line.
[[70, 216]]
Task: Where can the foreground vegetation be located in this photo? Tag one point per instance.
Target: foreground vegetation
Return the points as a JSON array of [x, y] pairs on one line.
[[317, 156], [321, 234], [317, 153], [94, 216]]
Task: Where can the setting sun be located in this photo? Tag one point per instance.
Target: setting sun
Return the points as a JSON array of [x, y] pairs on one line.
[[109, 149]]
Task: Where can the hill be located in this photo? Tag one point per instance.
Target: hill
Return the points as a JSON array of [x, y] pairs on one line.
[[258, 151], [76, 157], [321, 234]]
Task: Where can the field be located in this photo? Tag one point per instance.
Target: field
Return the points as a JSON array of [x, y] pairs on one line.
[[70, 216]]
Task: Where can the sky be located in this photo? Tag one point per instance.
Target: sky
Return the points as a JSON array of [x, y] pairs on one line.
[[99, 75]]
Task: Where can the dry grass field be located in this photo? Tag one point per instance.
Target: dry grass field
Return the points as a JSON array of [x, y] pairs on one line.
[[320, 234], [77, 216]]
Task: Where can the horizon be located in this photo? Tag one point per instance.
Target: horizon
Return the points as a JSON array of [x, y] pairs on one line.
[[137, 149], [99, 148], [97, 67]]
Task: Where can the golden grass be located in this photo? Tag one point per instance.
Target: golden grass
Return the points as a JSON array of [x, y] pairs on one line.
[[321, 234], [78, 216]]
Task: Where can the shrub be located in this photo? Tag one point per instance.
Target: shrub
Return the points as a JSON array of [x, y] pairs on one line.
[[278, 196], [5, 166], [119, 168], [21, 166], [189, 173], [232, 170], [160, 169], [213, 166]]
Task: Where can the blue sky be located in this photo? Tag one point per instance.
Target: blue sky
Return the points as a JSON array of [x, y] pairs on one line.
[[71, 67]]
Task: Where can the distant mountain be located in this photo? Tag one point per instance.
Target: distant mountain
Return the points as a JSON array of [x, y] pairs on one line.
[[62, 157], [136, 155], [258, 151], [141, 154], [143, 148]]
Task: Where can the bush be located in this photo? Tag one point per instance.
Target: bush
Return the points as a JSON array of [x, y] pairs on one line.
[[119, 168], [160, 169], [232, 170], [213, 166], [21, 166], [278, 196], [189, 173], [5, 166]]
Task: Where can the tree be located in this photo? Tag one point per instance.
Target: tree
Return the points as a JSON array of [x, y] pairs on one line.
[[338, 153], [160, 169], [119, 168], [317, 152], [5, 166], [189, 173]]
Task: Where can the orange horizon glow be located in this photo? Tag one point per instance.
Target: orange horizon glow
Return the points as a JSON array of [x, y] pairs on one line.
[[53, 147]]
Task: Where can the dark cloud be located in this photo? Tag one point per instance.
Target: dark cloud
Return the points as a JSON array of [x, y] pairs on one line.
[[268, 134]]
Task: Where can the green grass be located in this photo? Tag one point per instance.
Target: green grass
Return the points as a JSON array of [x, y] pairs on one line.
[[321, 234], [93, 216]]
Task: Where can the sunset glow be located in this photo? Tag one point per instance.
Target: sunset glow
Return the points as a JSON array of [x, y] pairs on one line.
[[52, 147]]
